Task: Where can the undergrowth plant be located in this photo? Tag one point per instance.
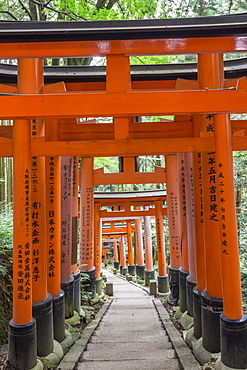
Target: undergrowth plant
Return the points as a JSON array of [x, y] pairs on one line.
[[6, 246]]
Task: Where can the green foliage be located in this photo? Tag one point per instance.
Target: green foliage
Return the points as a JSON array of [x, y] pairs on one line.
[[86, 295], [5, 270]]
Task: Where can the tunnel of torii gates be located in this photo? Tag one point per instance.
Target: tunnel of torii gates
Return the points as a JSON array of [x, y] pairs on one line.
[[48, 137]]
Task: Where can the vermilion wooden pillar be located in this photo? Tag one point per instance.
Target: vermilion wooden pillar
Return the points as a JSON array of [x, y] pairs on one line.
[[42, 301], [191, 278], [22, 352], [53, 233], [115, 254], [233, 321], [172, 192], [163, 283], [210, 76], [199, 234], [140, 267], [184, 269], [123, 266], [67, 280], [97, 247], [131, 264], [74, 252], [149, 270], [87, 222]]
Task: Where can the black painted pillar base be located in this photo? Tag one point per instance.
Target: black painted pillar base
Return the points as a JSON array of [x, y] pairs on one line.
[[124, 271], [121, 270], [22, 348], [182, 290], [190, 284], [68, 288], [90, 285], [148, 275], [116, 265], [163, 284], [211, 310], [174, 285], [197, 309], [59, 316], [140, 271], [77, 291], [43, 314], [233, 335], [131, 270]]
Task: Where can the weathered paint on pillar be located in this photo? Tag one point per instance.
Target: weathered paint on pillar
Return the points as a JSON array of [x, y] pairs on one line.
[[22, 250], [123, 253], [232, 295], [160, 238], [87, 215], [130, 244], [139, 241], [66, 217], [53, 213], [211, 77], [183, 212], [148, 243], [97, 240], [173, 210], [53, 222], [115, 252], [198, 212], [75, 183], [189, 189]]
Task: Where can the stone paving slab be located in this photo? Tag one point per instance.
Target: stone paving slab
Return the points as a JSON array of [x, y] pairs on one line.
[[130, 354], [139, 346], [158, 364], [145, 337]]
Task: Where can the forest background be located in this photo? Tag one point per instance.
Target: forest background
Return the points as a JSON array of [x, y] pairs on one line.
[[85, 10]]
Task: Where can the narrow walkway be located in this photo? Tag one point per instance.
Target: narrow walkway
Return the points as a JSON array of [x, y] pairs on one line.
[[130, 335]]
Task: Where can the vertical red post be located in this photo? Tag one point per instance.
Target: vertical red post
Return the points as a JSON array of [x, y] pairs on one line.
[[115, 254], [53, 232], [74, 247], [22, 352], [189, 189], [210, 75], [42, 301], [233, 321], [67, 280], [131, 264], [184, 269], [97, 246], [199, 234], [163, 283], [149, 270], [140, 267], [123, 266], [172, 192], [87, 222]]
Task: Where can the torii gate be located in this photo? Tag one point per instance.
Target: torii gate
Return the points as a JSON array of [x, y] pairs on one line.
[[137, 199], [121, 99]]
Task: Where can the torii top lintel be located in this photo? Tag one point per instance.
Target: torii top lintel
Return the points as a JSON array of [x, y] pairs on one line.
[[161, 36]]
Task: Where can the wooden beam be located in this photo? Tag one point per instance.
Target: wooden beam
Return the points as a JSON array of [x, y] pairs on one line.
[[150, 212], [135, 103], [129, 178], [114, 148], [133, 47]]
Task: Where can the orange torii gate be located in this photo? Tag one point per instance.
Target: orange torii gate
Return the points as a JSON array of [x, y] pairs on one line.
[[118, 97], [125, 201]]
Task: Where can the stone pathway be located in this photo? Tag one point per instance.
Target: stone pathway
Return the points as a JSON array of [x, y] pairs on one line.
[[130, 335]]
